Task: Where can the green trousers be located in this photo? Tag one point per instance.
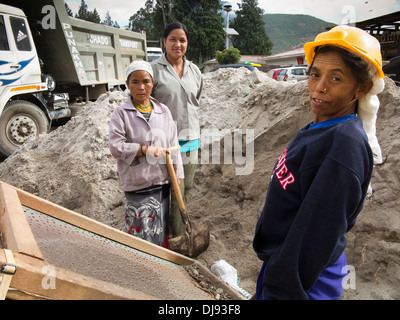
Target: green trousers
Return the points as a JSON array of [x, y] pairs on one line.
[[190, 160]]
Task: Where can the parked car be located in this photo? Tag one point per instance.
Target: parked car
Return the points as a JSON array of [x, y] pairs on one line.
[[275, 73], [248, 66], [293, 73]]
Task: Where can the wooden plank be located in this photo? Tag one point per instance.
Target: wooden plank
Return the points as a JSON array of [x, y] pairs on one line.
[[15, 228], [38, 279], [96, 227], [7, 273]]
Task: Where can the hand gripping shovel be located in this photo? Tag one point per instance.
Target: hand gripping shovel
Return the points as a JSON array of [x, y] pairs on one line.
[[195, 240]]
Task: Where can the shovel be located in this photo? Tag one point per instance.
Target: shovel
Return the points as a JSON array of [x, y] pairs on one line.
[[195, 240]]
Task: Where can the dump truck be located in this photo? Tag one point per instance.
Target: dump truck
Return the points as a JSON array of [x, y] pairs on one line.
[[49, 61]]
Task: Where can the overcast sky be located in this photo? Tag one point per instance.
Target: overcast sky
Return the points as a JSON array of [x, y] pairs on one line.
[[335, 11]]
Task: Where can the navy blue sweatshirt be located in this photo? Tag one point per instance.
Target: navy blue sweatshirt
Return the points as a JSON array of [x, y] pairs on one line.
[[316, 191]]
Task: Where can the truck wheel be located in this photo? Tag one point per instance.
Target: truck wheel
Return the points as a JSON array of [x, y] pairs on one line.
[[20, 121]]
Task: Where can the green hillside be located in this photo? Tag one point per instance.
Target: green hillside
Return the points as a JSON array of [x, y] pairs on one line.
[[291, 31]]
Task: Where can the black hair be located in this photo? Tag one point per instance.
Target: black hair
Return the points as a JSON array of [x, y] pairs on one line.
[[362, 70], [175, 25]]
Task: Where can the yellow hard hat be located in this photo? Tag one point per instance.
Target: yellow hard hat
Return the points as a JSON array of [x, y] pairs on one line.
[[352, 39]]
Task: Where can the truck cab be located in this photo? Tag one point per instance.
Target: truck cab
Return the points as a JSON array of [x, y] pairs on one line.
[[17, 52], [154, 53], [26, 107]]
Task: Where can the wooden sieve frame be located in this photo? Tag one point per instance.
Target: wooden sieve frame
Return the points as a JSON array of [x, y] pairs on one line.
[[18, 237]]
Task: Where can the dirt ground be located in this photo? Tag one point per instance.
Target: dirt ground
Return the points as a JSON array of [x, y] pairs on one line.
[[72, 166]]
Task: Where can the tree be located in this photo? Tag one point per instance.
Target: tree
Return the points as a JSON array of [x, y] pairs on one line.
[[205, 25], [84, 14], [143, 20], [93, 16], [252, 38], [82, 11], [69, 11], [109, 22], [166, 9]]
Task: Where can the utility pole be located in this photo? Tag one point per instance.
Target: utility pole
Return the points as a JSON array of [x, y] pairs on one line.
[[227, 8]]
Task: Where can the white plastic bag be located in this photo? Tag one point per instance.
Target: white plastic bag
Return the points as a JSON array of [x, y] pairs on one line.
[[228, 274]]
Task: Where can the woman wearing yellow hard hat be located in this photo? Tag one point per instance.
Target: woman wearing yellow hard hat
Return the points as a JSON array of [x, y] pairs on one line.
[[319, 184]]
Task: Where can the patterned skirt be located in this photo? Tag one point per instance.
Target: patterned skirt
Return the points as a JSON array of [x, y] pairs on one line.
[[147, 214]]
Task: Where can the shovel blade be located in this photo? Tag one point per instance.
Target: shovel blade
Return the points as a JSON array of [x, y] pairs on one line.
[[191, 245]]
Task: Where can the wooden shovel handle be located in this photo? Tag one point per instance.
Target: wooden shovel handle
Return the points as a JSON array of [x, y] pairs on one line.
[[174, 180], [177, 191]]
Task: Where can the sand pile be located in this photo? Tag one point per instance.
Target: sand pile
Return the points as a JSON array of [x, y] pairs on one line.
[[72, 166]]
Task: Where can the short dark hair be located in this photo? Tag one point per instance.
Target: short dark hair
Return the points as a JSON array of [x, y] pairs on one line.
[[175, 25], [362, 70]]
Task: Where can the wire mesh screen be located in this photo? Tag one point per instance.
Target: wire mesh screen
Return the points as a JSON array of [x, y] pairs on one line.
[[69, 247]]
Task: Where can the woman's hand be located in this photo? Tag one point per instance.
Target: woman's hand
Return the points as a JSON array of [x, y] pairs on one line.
[[155, 152]]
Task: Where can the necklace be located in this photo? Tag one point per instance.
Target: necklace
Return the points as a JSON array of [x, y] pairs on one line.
[[145, 109]]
